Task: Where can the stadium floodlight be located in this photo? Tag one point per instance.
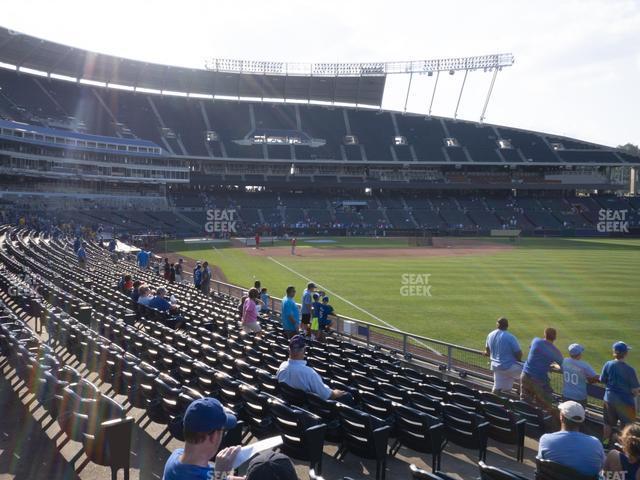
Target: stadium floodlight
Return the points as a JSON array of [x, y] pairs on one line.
[[223, 65]]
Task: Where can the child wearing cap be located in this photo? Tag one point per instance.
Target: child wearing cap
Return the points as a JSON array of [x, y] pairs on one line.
[[323, 319], [576, 373], [621, 388], [315, 315], [205, 422]]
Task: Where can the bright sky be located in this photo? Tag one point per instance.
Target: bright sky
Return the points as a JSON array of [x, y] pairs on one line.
[[577, 70]]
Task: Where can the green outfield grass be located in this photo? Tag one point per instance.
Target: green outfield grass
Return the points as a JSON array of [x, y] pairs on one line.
[[587, 288]]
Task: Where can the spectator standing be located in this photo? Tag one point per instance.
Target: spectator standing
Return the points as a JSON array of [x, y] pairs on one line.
[[206, 279], [197, 276], [166, 269], [143, 259], [307, 306], [77, 243], [325, 310], [204, 424], [576, 373], [290, 315], [250, 322], [82, 255], [172, 273], [264, 298], [179, 269], [627, 462], [534, 381], [569, 446], [621, 388], [295, 373], [503, 349]]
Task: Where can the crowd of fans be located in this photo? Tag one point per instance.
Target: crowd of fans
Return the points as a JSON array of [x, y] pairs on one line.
[[569, 446], [206, 421]]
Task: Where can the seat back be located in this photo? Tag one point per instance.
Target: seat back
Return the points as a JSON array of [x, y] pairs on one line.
[[494, 473], [548, 470], [363, 434], [292, 395]]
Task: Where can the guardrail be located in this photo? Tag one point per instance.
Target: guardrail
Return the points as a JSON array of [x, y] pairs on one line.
[[444, 355]]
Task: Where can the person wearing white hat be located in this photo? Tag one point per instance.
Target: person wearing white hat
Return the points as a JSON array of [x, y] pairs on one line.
[[576, 373], [569, 446]]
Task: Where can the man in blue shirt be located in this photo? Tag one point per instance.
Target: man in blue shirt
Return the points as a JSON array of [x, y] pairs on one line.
[[576, 373], [197, 275], [534, 381], [505, 353], [622, 387], [143, 259], [205, 422], [297, 374], [307, 306], [290, 314], [569, 446], [159, 302]]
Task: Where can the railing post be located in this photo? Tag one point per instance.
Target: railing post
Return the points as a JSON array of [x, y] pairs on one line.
[[404, 344], [368, 336], [449, 357]]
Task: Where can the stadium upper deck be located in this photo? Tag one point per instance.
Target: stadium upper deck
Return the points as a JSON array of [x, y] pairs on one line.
[[36, 89]]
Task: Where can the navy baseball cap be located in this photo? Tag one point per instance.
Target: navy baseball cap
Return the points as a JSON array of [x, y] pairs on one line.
[[297, 342], [206, 415], [621, 347]]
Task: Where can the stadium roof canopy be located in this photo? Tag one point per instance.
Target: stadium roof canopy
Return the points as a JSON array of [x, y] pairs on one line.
[[28, 52], [360, 84]]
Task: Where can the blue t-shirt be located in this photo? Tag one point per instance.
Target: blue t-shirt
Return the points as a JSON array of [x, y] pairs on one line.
[[503, 346], [174, 469], [620, 379], [289, 308], [576, 450], [541, 355], [307, 299], [197, 277], [575, 374], [143, 258], [82, 254], [265, 300], [159, 303], [316, 309], [325, 311]]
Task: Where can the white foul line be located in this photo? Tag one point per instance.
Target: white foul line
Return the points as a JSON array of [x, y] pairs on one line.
[[350, 303]]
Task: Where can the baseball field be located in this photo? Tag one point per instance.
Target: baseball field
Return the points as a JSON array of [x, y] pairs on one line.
[[588, 289]]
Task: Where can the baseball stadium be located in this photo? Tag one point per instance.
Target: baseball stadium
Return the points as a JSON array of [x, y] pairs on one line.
[[173, 240]]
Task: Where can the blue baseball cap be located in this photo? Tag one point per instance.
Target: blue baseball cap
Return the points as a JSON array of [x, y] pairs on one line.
[[575, 349], [206, 415], [621, 347]]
